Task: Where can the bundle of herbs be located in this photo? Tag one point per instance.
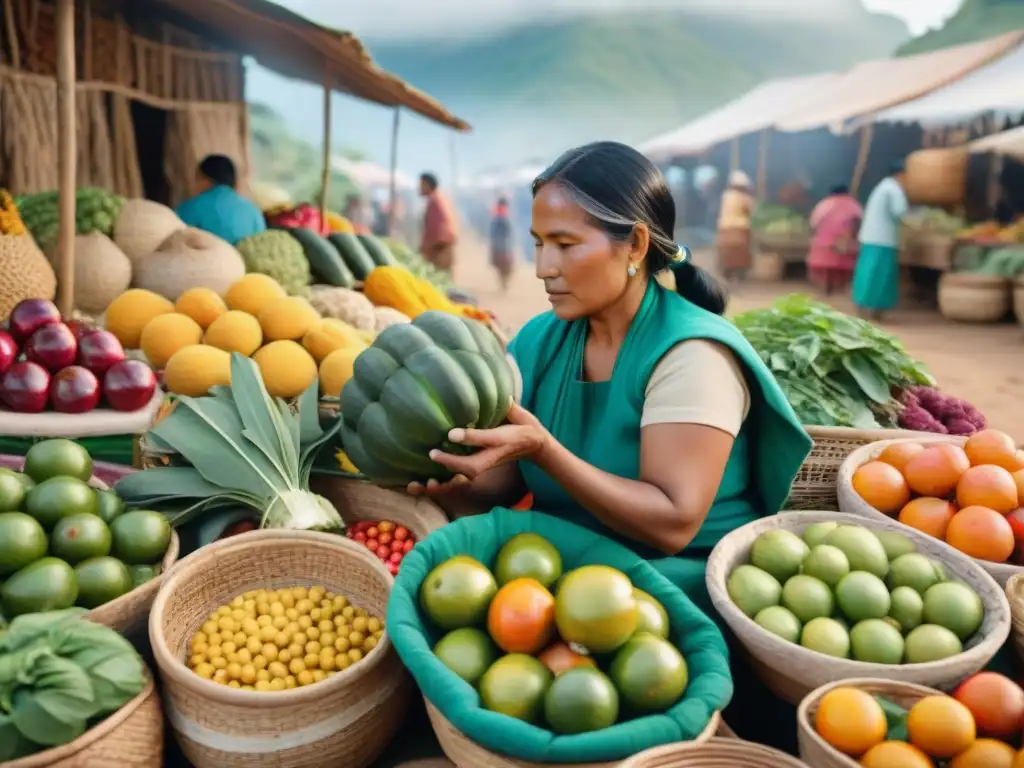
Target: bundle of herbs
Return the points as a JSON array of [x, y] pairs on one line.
[[59, 676], [836, 370], [240, 448]]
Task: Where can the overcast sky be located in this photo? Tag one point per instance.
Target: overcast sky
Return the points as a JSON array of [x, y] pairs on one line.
[[387, 18]]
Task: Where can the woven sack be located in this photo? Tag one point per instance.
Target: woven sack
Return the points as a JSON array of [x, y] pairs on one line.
[[142, 225], [102, 272], [190, 258], [26, 273], [937, 176], [851, 502], [965, 297], [481, 536]]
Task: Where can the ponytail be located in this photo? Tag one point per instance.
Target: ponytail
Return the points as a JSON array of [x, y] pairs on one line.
[[697, 286]]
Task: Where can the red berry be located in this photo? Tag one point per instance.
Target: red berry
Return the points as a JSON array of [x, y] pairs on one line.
[[407, 545], [385, 526], [384, 538], [401, 533], [396, 546], [372, 532], [383, 551], [393, 569], [359, 536], [396, 557]]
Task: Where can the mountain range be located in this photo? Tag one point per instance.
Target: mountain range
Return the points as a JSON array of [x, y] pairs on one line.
[[976, 20]]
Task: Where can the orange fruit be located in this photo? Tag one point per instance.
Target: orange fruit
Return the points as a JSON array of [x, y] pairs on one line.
[[986, 485], [882, 486], [996, 702], [935, 471], [898, 454], [521, 617], [1018, 761], [1018, 463], [941, 726], [896, 754], [982, 533], [990, 446], [1018, 478], [560, 658], [850, 720], [985, 753], [928, 515]]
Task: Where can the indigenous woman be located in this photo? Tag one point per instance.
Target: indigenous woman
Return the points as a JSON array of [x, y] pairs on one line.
[[733, 240], [833, 254], [876, 279]]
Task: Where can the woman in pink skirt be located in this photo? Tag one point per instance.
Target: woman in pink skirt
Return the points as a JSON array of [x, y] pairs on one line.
[[833, 254]]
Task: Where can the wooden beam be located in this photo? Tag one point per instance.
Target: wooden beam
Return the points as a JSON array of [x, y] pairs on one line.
[[66, 155], [392, 180], [762, 164], [734, 155], [867, 133], [325, 183]]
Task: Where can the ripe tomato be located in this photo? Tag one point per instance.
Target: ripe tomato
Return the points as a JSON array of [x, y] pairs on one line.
[[384, 538], [996, 702], [372, 532], [359, 536], [395, 557], [385, 526], [407, 545], [1016, 520], [401, 533]]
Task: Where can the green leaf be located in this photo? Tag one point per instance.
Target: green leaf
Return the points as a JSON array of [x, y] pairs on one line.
[[115, 670], [262, 424], [166, 482], [868, 377], [55, 709]]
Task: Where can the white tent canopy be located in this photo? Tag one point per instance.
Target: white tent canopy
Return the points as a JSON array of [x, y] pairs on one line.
[[1009, 143], [755, 110], [369, 175], [996, 88]]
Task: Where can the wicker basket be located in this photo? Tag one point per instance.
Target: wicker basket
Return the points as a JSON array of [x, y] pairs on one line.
[[714, 753], [792, 671], [132, 737], [815, 484], [852, 503], [937, 176], [362, 500], [1015, 596], [967, 297], [814, 749], [466, 753], [935, 251], [769, 267], [347, 719], [1018, 300]]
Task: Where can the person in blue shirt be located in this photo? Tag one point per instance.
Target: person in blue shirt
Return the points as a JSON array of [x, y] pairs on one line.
[[218, 208], [876, 277]]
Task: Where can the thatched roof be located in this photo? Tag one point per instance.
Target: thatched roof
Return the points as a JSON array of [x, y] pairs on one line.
[[296, 47]]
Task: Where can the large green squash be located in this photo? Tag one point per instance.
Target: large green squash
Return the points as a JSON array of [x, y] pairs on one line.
[[353, 253], [414, 384], [325, 262], [379, 252]]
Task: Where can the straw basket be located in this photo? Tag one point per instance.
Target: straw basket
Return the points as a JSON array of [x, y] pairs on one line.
[[362, 500], [714, 753], [935, 251], [792, 671], [1018, 300], [967, 297], [1015, 596], [132, 737], [466, 753], [852, 503], [347, 719], [937, 176], [814, 749], [815, 484]]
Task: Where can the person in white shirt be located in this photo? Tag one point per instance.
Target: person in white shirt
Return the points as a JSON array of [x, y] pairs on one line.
[[876, 278]]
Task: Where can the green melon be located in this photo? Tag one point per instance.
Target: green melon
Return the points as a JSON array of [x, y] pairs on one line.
[[353, 253], [324, 260], [379, 252]]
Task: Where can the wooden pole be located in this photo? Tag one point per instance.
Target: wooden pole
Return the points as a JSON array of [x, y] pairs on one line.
[[762, 164], [867, 133], [66, 155], [325, 182], [392, 180]]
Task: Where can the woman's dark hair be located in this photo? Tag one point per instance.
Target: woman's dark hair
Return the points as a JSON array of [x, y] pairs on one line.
[[840, 189], [619, 187], [429, 179], [219, 169]]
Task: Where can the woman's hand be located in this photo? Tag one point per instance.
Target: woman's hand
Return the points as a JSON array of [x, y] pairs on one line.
[[523, 436]]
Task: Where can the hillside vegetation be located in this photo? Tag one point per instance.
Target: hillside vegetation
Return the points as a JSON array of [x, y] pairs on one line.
[[976, 20]]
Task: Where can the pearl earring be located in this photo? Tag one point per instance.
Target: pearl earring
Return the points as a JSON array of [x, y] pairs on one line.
[[631, 270]]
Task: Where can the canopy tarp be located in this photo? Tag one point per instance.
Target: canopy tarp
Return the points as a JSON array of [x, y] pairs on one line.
[[294, 46], [1009, 143], [753, 111], [883, 83], [368, 174], [997, 88]]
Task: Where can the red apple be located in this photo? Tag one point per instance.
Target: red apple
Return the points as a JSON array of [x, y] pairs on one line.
[[8, 351], [81, 327], [74, 390], [98, 350], [30, 315], [25, 387], [129, 385], [53, 346], [1016, 520]]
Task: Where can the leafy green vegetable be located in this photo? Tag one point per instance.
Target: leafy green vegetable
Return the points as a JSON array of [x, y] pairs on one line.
[[59, 674], [835, 370]]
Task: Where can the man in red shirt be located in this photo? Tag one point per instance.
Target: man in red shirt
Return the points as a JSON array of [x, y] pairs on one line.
[[440, 226]]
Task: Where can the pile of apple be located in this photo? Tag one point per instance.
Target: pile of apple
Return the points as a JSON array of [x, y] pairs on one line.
[[70, 367]]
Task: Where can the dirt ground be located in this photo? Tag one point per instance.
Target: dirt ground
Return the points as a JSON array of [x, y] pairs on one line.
[[983, 364]]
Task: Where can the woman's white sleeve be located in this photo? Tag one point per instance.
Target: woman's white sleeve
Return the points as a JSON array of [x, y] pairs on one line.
[[698, 382]]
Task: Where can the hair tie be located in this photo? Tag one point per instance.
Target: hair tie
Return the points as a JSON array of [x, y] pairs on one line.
[[681, 258]]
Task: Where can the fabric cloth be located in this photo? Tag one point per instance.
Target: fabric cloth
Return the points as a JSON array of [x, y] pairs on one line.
[[440, 227], [481, 536], [441, 255], [835, 222], [733, 247], [502, 242], [876, 280], [600, 422], [886, 207], [697, 382], [737, 206], [223, 212]]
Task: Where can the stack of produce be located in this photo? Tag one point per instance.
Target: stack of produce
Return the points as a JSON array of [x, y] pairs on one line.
[[59, 676], [396, 287], [934, 221], [574, 653], [1005, 262], [236, 447], [69, 368], [418, 265], [970, 497], [302, 215], [779, 221], [976, 727], [385, 538], [26, 272], [276, 640], [993, 233], [836, 370], [64, 543], [142, 225], [189, 258], [925, 409], [845, 591], [277, 254], [96, 210]]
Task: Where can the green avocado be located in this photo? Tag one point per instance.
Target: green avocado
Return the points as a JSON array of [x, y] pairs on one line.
[[12, 491], [46, 585], [141, 536], [111, 506], [60, 497], [100, 580], [22, 541]]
